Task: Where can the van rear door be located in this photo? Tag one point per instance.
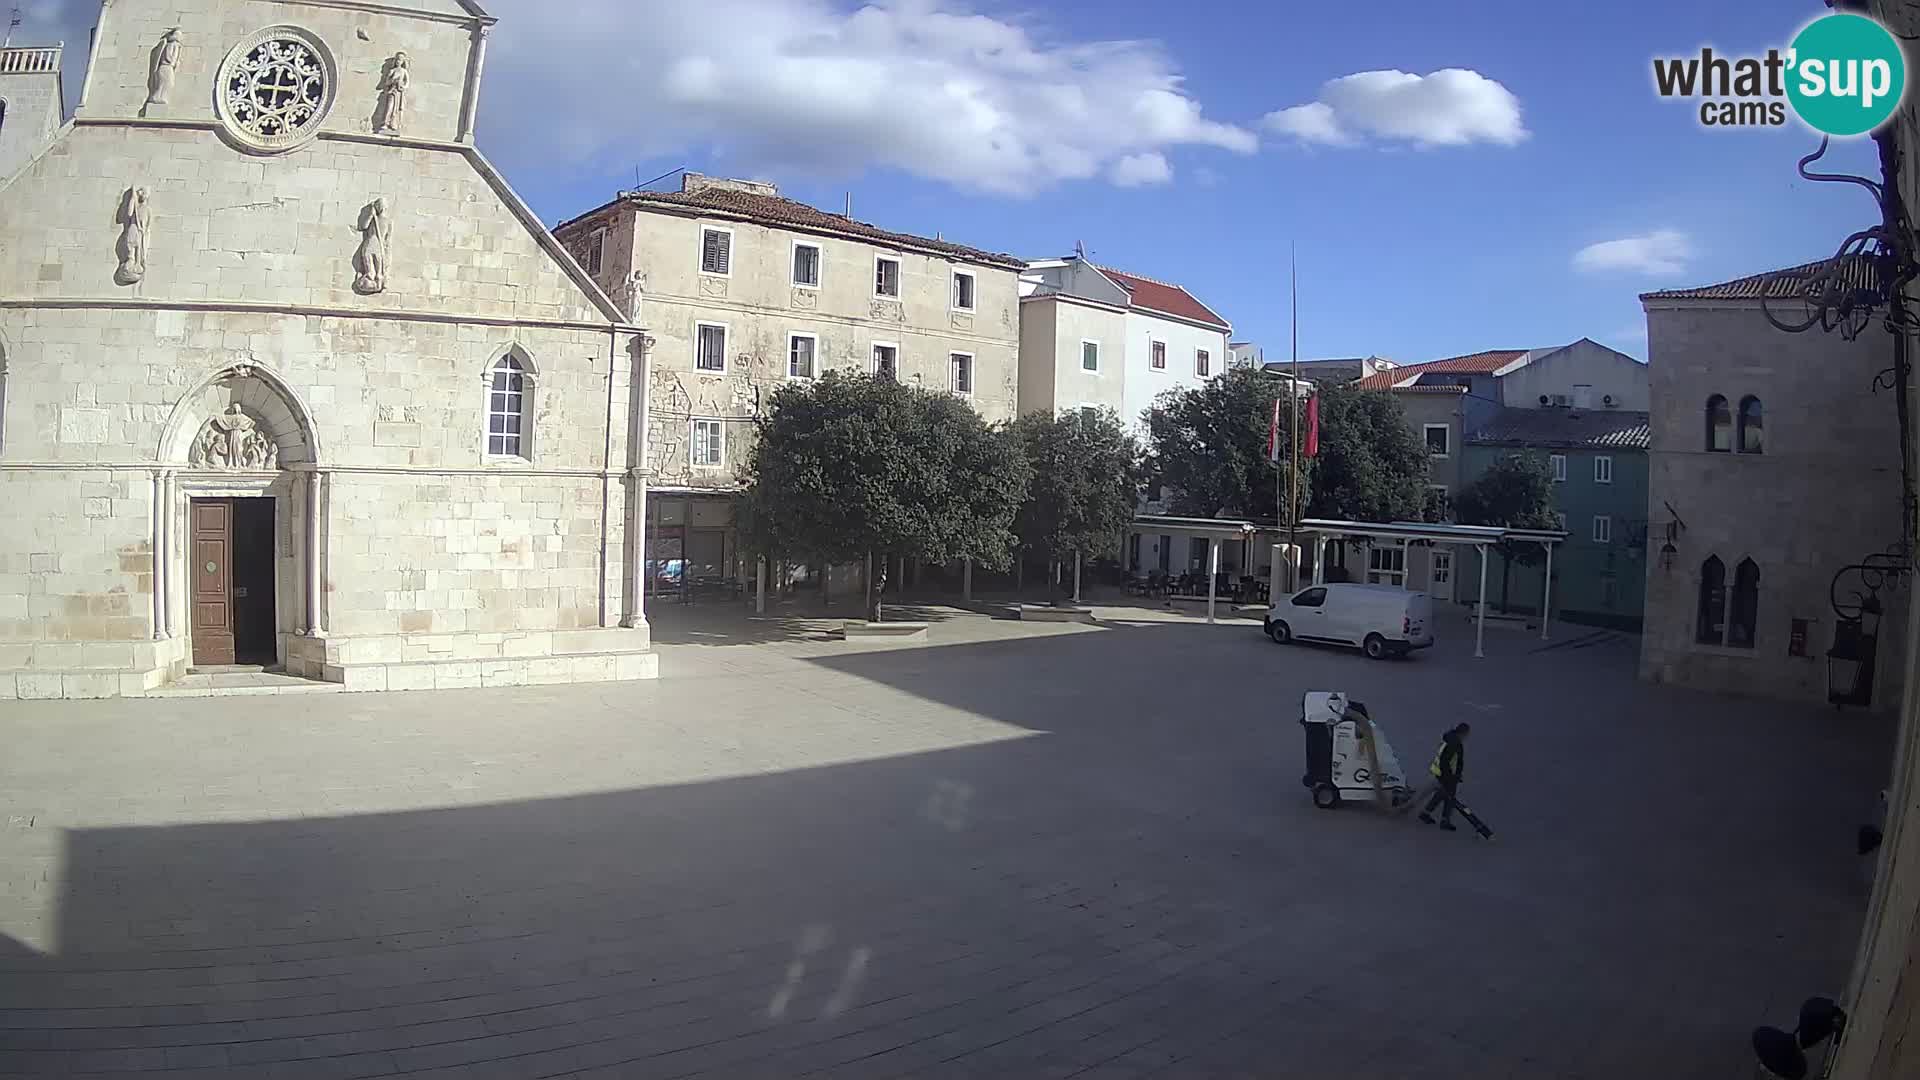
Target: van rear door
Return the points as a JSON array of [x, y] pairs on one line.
[[1419, 617]]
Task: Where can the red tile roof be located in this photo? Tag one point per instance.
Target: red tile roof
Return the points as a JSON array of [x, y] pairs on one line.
[[1856, 272], [1480, 363], [1159, 296], [781, 212]]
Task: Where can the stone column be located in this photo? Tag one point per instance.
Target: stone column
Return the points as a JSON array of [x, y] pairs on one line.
[[160, 509], [170, 507], [316, 564]]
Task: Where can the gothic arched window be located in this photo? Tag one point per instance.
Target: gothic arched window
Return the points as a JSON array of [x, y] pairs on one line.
[[1719, 425], [1752, 427]]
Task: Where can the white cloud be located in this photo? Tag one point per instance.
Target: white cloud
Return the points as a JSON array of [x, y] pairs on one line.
[[1658, 253], [1450, 107], [1138, 170], [785, 86]]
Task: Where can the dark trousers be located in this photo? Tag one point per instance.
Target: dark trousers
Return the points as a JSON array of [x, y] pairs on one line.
[[1443, 798]]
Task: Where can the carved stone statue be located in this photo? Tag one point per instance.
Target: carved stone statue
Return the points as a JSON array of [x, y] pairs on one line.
[[166, 63], [393, 96], [134, 220], [370, 261], [233, 440]]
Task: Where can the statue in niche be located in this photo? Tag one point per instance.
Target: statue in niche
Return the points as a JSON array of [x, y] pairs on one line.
[[166, 63], [370, 261], [394, 82], [134, 220], [233, 440]]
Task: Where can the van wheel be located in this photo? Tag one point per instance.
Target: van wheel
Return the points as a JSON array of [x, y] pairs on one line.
[[1280, 632], [1376, 647], [1326, 796]]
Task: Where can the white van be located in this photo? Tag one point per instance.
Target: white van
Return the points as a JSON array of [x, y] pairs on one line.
[[1385, 620]]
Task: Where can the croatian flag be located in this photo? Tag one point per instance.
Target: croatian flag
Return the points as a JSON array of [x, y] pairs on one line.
[[1312, 447]]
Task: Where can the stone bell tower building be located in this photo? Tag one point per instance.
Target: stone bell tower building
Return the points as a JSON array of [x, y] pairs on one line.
[[30, 102], [289, 376]]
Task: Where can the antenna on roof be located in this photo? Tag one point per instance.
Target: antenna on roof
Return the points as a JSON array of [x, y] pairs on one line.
[[12, 25], [1080, 248], [849, 214]]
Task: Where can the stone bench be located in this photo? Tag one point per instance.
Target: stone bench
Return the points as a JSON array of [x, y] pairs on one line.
[[1068, 613], [861, 630]]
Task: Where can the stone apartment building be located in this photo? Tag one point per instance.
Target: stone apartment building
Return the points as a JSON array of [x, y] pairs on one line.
[[293, 378], [1774, 467], [32, 102], [745, 290]]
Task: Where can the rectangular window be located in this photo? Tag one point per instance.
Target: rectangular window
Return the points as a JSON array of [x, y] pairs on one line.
[[886, 276], [1089, 356], [1387, 565], [960, 372], [596, 251], [709, 444], [806, 265], [716, 251], [962, 291], [1602, 529], [506, 410], [1603, 470], [886, 361], [1197, 554], [1158, 352], [1558, 463], [1560, 521], [1202, 363], [1439, 506], [1439, 439], [709, 347], [800, 352], [1442, 567]]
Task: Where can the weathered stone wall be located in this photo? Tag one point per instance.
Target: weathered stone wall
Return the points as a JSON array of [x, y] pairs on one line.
[[1824, 493]]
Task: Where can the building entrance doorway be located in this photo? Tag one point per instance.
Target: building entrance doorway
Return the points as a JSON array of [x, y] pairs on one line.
[[232, 558]]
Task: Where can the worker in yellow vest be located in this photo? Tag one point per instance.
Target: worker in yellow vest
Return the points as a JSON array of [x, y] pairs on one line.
[[1448, 769]]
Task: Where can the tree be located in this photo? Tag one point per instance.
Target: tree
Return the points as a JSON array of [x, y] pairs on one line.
[[850, 467], [1085, 482], [1208, 445], [1372, 466], [1516, 492]]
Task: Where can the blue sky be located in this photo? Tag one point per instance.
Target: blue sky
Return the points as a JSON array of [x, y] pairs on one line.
[[1137, 128]]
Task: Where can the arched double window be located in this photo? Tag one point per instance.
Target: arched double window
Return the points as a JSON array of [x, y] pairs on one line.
[[1711, 625], [1752, 428], [1719, 425], [509, 407]]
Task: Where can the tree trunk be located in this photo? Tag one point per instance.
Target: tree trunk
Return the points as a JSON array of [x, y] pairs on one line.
[[878, 587]]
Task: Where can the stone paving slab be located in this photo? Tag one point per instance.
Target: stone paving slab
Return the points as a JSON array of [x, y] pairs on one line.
[[1052, 850]]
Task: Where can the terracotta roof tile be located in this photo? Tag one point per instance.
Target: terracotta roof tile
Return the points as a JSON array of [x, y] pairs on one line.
[[782, 212], [1163, 297], [1600, 429], [1480, 363], [1857, 272]]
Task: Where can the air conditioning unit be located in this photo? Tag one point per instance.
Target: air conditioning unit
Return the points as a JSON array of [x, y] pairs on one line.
[[1545, 400], [1607, 400]]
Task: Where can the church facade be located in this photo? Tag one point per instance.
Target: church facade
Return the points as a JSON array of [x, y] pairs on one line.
[[289, 376]]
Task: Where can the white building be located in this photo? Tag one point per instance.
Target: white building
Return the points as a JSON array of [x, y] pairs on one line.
[[746, 291], [289, 375], [1095, 336], [31, 103]]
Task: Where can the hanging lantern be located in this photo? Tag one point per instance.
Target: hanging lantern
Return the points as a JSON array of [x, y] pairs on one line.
[[1850, 661]]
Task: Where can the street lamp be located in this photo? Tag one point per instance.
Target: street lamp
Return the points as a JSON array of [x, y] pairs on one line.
[[1850, 661]]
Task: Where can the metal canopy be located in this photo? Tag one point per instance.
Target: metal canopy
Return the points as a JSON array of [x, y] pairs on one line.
[[1211, 528], [1480, 537]]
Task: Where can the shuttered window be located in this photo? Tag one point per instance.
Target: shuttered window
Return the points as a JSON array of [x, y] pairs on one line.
[[716, 251]]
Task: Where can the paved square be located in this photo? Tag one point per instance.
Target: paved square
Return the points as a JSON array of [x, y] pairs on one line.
[[1026, 851]]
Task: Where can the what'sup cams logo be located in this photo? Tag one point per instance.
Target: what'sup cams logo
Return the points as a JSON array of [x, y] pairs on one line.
[[1843, 75]]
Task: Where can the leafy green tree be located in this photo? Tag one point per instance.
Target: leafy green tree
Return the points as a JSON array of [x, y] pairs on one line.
[[1084, 486], [1515, 492], [851, 467], [1372, 466], [1208, 446]]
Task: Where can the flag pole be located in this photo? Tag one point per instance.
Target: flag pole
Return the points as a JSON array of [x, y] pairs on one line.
[[1293, 459]]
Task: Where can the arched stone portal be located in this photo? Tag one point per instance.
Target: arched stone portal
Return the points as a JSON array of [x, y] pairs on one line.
[[240, 527]]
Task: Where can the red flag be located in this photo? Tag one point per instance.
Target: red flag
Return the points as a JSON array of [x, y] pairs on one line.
[[1312, 446], [1273, 433]]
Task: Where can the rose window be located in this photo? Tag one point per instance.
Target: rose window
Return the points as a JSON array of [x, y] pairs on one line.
[[276, 88]]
